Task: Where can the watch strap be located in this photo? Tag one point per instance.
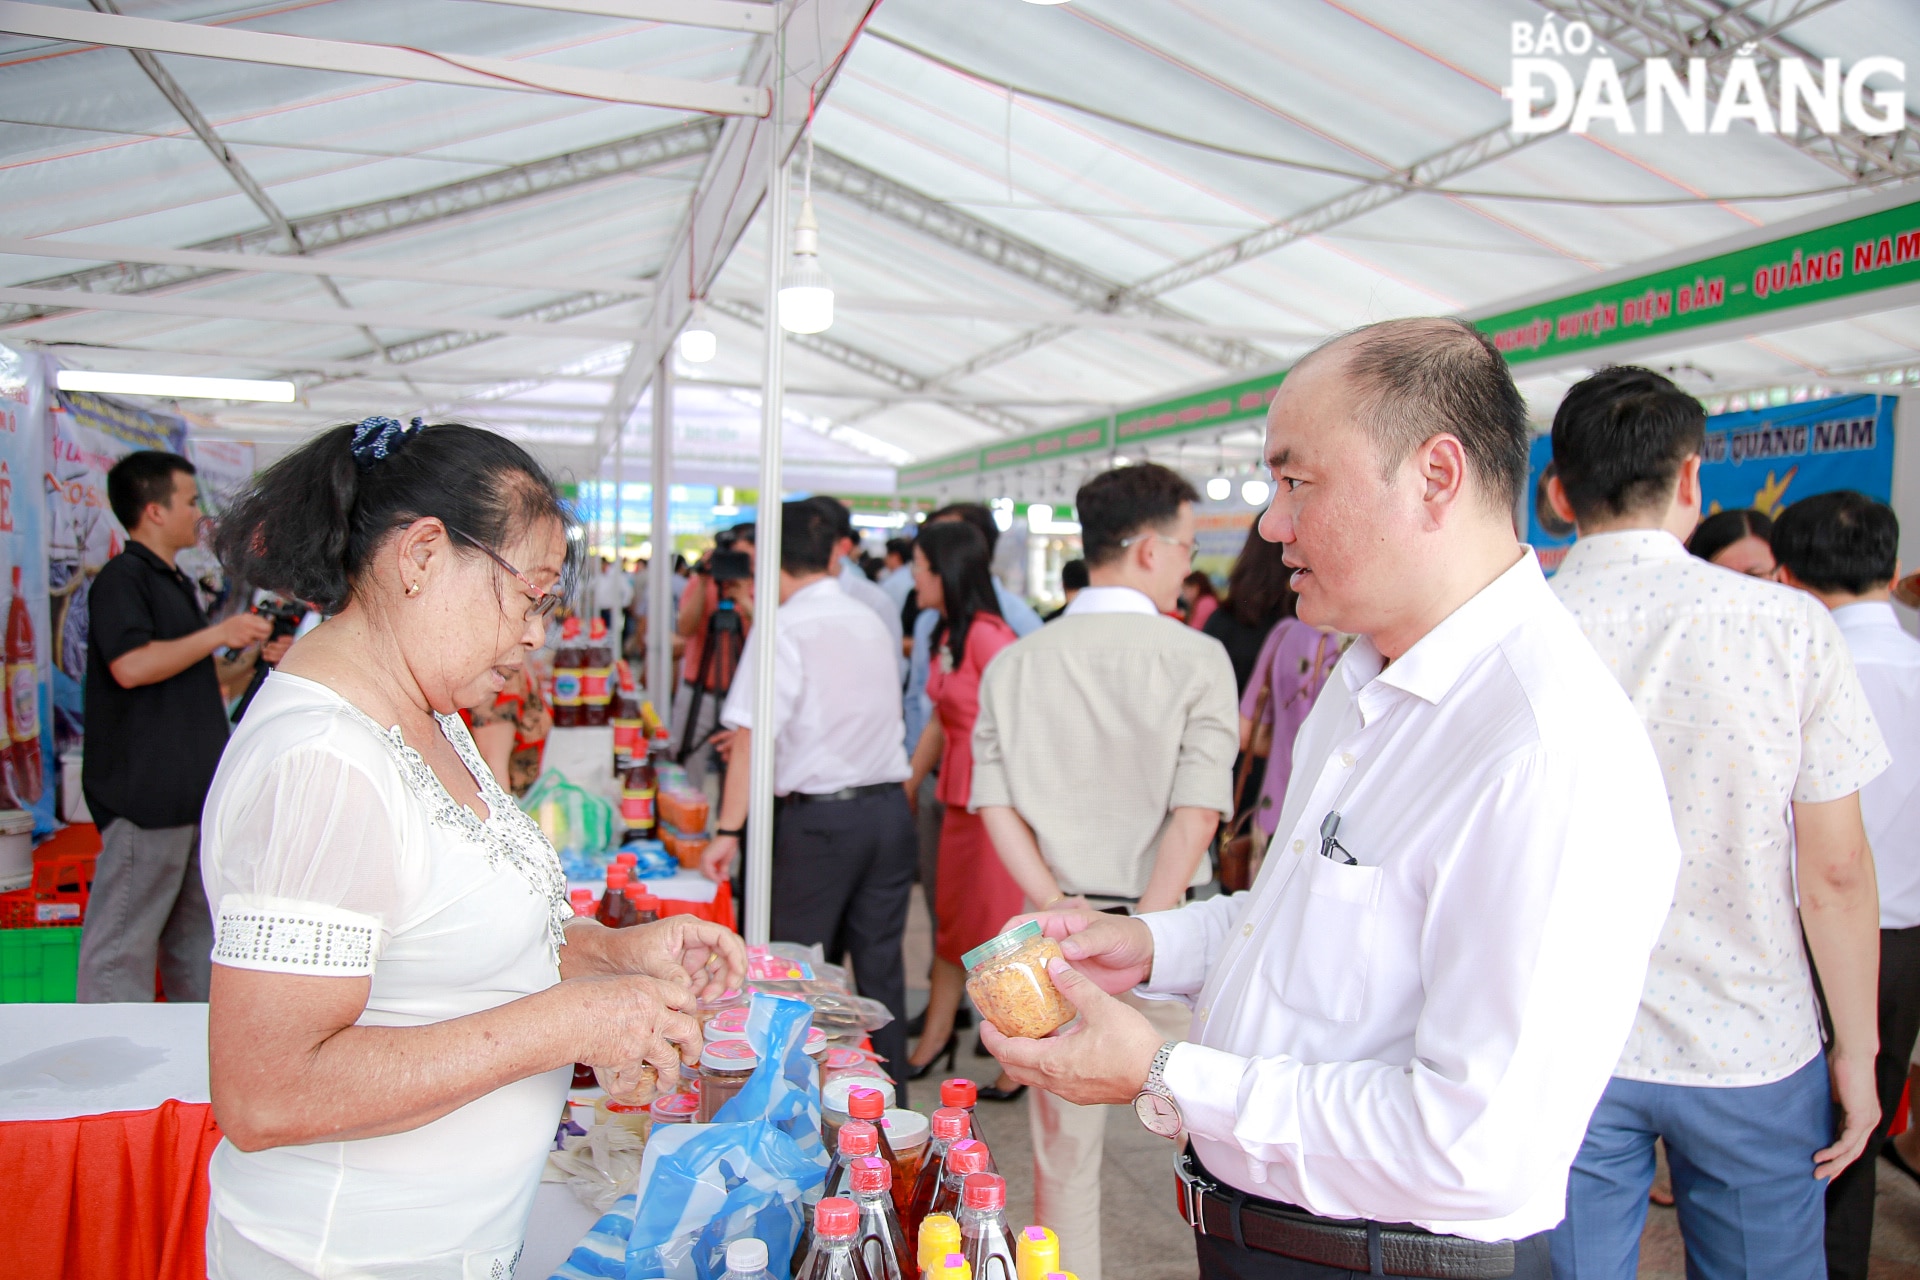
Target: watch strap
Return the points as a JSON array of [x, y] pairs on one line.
[[1157, 1071]]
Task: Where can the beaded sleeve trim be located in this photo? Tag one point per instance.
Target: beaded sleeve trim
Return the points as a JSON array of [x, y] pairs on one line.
[[279, 935], [509, 836]]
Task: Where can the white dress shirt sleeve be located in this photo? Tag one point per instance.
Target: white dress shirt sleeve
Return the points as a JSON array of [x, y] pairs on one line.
[[1842, 748], [1185, 940], [1531, 957]]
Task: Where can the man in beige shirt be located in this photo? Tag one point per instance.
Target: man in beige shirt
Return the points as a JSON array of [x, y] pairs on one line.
[[1102, 764]]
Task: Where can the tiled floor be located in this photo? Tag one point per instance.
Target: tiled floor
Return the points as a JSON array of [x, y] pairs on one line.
[[1144, 1237]]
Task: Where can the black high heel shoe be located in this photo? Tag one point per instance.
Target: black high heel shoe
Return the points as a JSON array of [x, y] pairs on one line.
[[946, 1051], [994, 1093]]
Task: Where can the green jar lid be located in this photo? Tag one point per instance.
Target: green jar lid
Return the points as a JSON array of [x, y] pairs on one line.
[[1007, 942]]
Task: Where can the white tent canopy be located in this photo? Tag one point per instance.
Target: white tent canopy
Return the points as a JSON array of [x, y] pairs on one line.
[[1030, 213]]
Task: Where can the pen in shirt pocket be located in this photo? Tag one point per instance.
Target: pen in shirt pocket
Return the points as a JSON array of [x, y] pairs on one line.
[[1330, 846]]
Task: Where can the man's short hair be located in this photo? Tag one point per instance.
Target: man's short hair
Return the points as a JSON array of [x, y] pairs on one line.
[[1073, 576], [1620, 438], [807, 535], [1419, 377], [144, 476], [975, 514], [837, 514], [901, 547], [1116, 504], [1840, 542]]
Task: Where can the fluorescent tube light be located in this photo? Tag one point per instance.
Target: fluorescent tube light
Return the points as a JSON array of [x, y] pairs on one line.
[[174, 388]]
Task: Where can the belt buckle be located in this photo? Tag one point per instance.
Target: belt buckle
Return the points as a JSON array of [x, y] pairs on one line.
[[1192, 1193]]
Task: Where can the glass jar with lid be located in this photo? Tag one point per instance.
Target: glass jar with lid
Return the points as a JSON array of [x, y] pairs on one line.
[[725, 1066], [676, 1108]]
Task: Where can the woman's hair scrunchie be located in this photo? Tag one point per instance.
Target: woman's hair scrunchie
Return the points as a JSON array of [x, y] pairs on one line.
[[376, 437]]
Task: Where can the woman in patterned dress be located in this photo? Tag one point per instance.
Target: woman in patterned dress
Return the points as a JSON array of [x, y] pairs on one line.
[[399, 987]]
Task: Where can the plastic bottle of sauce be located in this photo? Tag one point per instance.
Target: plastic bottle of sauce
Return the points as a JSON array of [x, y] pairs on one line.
[[984, 1238], [855, 1140], [569, 677], [615, 911], [646, 907], [951, 1267], [1036, 1253], [960, 1092], [883, 1245], [950, 1125], [746, 1260], [596, 679], [964, 1159], [626, 727], [836, 1226], [870, 1105], [939, 1236]]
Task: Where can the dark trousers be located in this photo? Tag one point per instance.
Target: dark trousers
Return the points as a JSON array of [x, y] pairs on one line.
[[1224, 1260], [842, 877], [1850, 1197]]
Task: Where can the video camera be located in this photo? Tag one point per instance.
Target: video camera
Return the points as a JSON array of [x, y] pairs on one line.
[[285, 615]]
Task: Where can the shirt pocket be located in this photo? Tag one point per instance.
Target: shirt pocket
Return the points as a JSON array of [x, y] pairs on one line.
[[1326, 975]]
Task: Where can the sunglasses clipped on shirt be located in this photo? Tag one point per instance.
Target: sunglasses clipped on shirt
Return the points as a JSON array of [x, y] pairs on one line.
[[1190, 548], [543, 600]]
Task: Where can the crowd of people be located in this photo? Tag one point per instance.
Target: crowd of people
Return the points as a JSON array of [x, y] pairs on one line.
[[1522, 875]]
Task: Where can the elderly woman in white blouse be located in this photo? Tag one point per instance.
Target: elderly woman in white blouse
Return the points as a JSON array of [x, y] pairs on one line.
[[399, 985]]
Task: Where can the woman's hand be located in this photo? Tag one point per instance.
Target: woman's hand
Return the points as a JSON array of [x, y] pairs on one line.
[[687, 951], [624, 1021]]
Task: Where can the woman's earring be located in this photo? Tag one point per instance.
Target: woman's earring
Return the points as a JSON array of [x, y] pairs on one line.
[[413, 588]]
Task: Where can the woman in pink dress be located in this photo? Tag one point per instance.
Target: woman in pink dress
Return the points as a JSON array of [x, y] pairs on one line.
[[975, 895]]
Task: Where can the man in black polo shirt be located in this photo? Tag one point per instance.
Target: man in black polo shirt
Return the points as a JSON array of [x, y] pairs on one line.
[[155, 726]]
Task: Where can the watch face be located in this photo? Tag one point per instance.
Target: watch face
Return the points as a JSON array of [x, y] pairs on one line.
[[1158, 1114]]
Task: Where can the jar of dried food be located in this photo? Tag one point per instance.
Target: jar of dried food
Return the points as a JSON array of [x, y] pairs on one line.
[[1008, 980], [637, 1118], [725, 1066], [676, 1108]]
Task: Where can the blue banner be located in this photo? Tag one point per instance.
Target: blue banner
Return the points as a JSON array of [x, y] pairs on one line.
[[1766, 459]]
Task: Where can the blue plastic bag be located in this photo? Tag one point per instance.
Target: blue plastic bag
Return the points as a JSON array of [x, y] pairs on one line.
[[749, 1174]]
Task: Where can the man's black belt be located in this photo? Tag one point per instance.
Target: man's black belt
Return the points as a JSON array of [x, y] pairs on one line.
[[845, 793], [1395, 1249]]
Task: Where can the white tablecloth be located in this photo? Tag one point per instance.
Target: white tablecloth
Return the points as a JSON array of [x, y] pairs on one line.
[[64, 1060]]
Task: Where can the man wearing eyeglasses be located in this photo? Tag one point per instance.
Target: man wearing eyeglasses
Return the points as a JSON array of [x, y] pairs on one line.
[[1399, 1033], [1103, 761]]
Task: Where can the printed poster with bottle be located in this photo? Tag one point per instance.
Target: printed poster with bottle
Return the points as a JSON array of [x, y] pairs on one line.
[[27, 758]]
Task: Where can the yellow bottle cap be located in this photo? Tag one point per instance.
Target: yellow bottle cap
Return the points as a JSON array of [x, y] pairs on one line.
[[1036, 1252], [1061, 1275], [952, 1266], [939, 1236]]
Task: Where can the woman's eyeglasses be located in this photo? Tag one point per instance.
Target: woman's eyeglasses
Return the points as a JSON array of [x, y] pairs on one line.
[[544, 600]]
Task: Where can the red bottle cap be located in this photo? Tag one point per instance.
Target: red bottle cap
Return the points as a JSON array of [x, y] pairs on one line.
[[836, 1217], [871, 1174], [984, 1191], [951, 1124], [866, 1104], [642, 900], [858, 1138], [617, 875], [967, 1156], [959, 1092], [629, 859]]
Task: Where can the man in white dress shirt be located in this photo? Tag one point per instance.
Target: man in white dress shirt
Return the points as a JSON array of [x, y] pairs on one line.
[[844, 851], [1841, 548], [856, 583], [1399, 1033], [1765, 740]]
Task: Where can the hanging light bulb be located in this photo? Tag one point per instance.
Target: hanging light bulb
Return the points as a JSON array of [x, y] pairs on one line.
[[697, 343], [1255, 492], [806, 295], [1219, 489]]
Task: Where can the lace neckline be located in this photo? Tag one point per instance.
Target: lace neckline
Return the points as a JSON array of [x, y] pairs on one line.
[[507, 834]]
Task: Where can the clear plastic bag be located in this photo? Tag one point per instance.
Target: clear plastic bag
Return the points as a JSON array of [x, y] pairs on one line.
[[575, 821]]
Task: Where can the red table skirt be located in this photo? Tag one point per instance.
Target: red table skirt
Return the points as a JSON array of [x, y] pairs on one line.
[[121, 1196]]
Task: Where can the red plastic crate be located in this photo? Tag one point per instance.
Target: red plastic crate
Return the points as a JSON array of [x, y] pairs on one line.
[[67, 878], [19, 909]]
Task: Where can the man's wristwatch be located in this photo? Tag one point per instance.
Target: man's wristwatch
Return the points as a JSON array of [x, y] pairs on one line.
[[1154, 1103]]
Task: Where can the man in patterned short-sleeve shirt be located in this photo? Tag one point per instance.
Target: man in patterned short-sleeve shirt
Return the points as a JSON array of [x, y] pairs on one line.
[[1765, 737]]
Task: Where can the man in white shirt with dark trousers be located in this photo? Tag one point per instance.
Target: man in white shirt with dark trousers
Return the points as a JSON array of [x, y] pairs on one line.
[[1399, 1033], [1842, 549], [1765, 739], [844, 848]]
